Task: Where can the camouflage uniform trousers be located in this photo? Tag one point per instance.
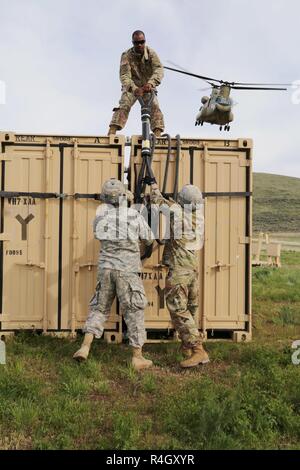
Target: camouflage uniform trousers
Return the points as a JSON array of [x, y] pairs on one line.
[[129, 289], [182, 302], [126, 102]]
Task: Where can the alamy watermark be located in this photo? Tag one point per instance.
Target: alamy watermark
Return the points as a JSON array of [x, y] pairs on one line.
[[2, 92], [295, 98], [178, 222], [296, 354], [2, 352]]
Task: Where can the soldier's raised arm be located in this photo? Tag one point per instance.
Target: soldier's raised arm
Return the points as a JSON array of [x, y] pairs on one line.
[[125, 74], [158, 70], [145, 232]]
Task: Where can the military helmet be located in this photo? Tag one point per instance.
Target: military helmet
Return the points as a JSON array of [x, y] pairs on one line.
[[190, 194], [112, 191]]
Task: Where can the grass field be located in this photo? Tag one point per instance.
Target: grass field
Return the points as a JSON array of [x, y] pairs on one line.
[[276, 203], [247, 397]]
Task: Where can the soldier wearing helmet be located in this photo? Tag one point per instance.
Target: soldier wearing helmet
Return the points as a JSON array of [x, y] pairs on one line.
[[181, 256], [119, 229]]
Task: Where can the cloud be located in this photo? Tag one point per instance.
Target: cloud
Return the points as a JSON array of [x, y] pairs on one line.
[[60, 61]]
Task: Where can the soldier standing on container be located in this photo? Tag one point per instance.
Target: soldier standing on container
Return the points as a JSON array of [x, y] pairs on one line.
[[180, 255], [119, 229], [140, 72]]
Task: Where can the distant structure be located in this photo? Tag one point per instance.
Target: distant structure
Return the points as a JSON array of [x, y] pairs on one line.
[[273, 250]]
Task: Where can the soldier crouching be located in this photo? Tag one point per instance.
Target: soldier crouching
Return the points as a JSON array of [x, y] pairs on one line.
[[140, 72]]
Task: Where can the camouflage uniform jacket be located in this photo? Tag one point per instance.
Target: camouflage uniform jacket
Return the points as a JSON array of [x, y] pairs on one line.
[[136, 70], [119, 229], [186, 236]]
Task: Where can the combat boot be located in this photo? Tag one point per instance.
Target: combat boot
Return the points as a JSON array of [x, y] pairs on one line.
[[199, 356], [157, 132], [186, 351], [112, 130], [83, 352], [138, 361]]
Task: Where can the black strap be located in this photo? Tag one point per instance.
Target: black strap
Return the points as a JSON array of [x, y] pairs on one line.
[[35, 195], [87, 196], [227, 194], [218, 194]]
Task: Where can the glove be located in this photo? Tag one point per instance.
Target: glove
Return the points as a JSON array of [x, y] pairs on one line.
[[139, 92], [129, 195], [147, 88]]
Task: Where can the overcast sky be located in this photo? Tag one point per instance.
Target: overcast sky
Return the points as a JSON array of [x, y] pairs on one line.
[[59, 60]]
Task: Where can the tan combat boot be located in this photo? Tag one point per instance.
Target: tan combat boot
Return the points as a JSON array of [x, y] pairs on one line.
[[138, 361], [83, 352], [186, 351], [112, 130], [157, 132], [199, 356]]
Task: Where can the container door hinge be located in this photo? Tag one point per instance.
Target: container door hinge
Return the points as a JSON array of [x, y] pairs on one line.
[[4, 158], [244, 240], [88, 265], [4, 237], [4, 317], [244, 162]]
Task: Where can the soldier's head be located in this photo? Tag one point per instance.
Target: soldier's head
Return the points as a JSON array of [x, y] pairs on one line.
[[190, 195], [138, 41], [113, 192]]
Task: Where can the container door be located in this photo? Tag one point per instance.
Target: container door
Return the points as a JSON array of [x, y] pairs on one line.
[[86, 167], [226, 254], [29, 236]]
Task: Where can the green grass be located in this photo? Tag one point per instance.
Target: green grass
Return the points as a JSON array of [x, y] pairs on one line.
[[276, 203], [247, 397]]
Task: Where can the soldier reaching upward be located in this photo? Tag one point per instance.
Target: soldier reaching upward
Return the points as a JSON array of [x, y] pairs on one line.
[[180, 255], [140, 72], [119, 229]]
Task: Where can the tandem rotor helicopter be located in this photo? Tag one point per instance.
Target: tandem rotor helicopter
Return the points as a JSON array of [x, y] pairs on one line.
[[217, 108]]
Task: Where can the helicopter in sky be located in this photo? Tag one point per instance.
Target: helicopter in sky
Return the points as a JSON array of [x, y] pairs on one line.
[[217, 108]]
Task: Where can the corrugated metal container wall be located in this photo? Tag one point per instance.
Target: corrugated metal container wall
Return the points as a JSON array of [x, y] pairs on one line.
[[222, 170], [48, 255]]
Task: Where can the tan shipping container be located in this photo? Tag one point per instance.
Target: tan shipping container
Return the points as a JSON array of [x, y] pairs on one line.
[[222, 169], [48, 255]]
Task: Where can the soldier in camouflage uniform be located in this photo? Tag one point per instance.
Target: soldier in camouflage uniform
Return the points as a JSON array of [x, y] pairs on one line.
[[140, 72], [180, 255], [119, 229]]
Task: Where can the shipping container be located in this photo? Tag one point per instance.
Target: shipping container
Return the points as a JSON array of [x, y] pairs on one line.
[[222, 169], [48, 255]]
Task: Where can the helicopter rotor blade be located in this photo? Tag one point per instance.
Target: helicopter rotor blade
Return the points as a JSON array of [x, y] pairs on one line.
[[236, 85], [262, 84], [204, 89], [256, 88], [179, 67], [193, 75]]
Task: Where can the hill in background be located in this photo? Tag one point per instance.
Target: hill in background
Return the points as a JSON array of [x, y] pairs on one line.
[[276, 203]]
